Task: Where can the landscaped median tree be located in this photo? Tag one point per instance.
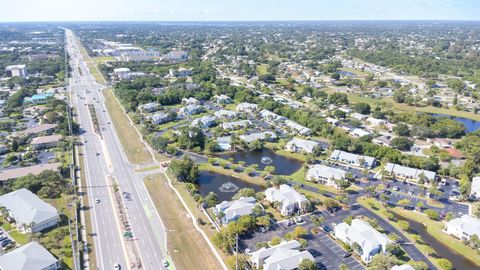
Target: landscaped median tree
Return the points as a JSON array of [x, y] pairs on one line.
[[404, 225], [383, 261], [307, 264], [445, 264], [432, 214]]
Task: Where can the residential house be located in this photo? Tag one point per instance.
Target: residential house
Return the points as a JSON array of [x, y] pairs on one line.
[[261, 136], [232, 210], [290, 199], [376, 121], [371, 241], [382, 140], [271, 117], [24, 171], [440, 142], [190, 110], [247, 107], [30, 213], [357, 132], [402, 267], [408, 173], [284, 256], [463, 227], [161, 118], [297, 128], [225, 143], [31, 256], [222, 99], [122, 73], [225, 114], [236, 124], [301, 145], [45, 141], [204, 121], [181, 72], [17, 71], [149, 107], [475, 188], [324, 174], [190, 101], [176, 56], [359, 116], [353, 159], [40, 129], [332, 121]]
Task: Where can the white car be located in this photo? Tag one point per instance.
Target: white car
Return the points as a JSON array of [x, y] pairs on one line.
[[165, 263], [97, 201]]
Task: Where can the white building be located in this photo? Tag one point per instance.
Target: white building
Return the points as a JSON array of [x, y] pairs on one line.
[[261, 136], [271, 117], [204, 121], [297, 128], [190, 101], [161, 118], [190, 110], [352, 159], [376, 121], [359, 116], [463, 227], [30, 213], [43, 142], [284, 256], [225, 143], [408, 173], [370, 240], [232, 210], [301, 145], [236, 124], [247, 107], [324, 174], [17, 71], [332, 121], [31, 256], [222, 99], [358, 132], [149, 107], [475, 188], [402, 267], [122, 73], [225, 114], [290, 199]]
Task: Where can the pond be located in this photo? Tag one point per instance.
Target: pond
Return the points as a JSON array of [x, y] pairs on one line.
[[470, 124], [283, 165], [225, 186], [459, 262]]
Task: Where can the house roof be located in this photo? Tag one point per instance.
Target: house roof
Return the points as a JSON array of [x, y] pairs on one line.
[[285, 256], [224, 113], [467, 224], [46, 139], [236, 208], [240, 123], [25, 207], [24, 171], [403, 267], [27, 257], [351, 158], [475, 188], [285, 194], [305, 145], [38, 129], [322, 171], [258, 136], [408, 172]]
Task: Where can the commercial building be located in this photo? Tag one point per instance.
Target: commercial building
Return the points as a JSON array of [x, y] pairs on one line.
[[45, 141], [17, 71]]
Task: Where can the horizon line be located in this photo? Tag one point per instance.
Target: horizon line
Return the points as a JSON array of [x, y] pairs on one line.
[[243, 21]]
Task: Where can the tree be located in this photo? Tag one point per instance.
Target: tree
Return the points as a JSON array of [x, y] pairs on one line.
[[402, 143], [257, 210], [342, 267], [339, 114], [244, 192], [383, 262], [231, 262], [211, 199], [432, 214], [299, 232], [445, 264], [394, 249], [263, 221], [357, 248], [402, 129], [404, 202], [404, 225], [449, 216], [330, 204], [362, 107], [275, 241], [184, 169], [418, 265], [335, 76], [307, 264], [270, 169]]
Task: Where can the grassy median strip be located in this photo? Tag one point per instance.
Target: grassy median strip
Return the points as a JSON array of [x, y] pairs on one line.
[[134, 148], [187, 247]]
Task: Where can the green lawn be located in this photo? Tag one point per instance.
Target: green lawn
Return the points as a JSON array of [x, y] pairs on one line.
[[19, 237]]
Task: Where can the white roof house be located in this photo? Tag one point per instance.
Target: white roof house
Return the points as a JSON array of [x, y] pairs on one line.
[[160, 118], [226, 114], [284, 256], [376, 121], [190, 101], [149, 107], [29, 212], [463, 227], [359, 116], [224, 143], [332, 121], [475, 188], [247, 107], [204, 121], [297, 128], [408, 173], [122, 73], [17, 70], [353, 159], [29, 257], [358, 132], [370, 240], [222, 99], [258, 136], [301, 145], [45, 141], [271, 116], [324, 174], [236, 124], [402, 267], [190, 109], [291, 200], [232, 210]]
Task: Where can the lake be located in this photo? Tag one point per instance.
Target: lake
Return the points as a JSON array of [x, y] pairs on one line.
[[283, 165], [459, 262], [225, 186], [470, 124]]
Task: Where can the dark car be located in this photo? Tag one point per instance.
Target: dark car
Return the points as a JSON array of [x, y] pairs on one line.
[[346, 255], [326, 228], [6, 242]]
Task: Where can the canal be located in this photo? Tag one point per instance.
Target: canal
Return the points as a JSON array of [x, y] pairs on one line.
[[459, 262], [225, 186], [266, 157]]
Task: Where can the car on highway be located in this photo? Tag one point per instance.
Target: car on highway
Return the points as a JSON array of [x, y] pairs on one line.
[[97, 201], [164, 263], [410, 192], [97, 154], [116, 266]]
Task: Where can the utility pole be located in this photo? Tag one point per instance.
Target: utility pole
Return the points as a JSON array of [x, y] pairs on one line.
[[236, 253]]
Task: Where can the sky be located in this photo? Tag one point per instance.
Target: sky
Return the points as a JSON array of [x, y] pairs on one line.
[[236, 10]]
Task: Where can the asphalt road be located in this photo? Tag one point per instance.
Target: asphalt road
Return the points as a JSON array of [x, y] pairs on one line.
[[103, 157]]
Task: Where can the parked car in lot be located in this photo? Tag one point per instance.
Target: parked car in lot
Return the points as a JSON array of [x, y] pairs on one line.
[[346, 255], [410, 192], [395, 188], [326, 228]]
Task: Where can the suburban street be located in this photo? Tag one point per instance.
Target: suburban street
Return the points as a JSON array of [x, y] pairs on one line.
[[104, 157]]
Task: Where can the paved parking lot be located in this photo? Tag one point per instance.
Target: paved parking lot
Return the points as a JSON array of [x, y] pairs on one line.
[[327, 253]]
